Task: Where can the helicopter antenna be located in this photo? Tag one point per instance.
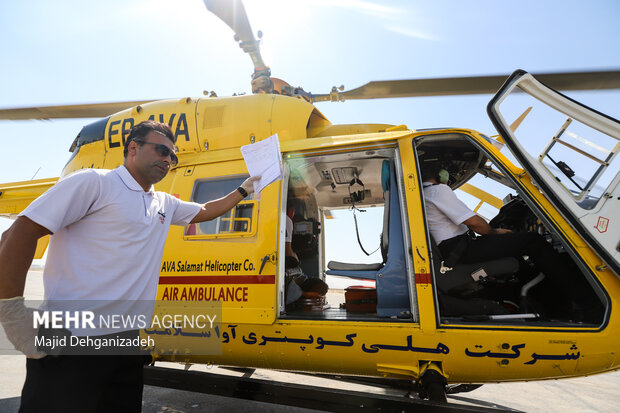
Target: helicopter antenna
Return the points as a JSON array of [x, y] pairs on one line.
[[35, 174], [233, 14]]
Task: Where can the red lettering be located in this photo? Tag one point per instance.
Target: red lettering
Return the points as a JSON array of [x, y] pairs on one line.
[[237, 294]]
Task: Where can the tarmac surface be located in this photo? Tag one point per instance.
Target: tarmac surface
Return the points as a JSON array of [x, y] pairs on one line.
[[598, 393]]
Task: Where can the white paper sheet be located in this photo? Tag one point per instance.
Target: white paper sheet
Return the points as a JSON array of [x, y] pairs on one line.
[[263, 159]]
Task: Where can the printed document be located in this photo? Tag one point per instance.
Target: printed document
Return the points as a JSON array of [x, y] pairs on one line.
[[263, 159]]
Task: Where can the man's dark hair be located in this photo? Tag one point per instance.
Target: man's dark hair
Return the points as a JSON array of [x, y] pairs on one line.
[[139, 132], [430, 171]]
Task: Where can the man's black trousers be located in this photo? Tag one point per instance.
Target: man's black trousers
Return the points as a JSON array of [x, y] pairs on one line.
[[519, 244], [74, 383]]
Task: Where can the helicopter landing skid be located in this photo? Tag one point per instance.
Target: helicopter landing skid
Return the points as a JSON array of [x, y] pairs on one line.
[[291, 394]]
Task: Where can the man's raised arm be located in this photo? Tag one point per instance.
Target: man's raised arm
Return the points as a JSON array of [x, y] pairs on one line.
[[217, 207]]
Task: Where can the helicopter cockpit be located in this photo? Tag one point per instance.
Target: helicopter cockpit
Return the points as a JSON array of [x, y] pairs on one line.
[[510, 289]]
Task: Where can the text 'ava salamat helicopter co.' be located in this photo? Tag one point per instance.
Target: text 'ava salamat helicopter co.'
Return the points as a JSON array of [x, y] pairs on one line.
[[423, 320]]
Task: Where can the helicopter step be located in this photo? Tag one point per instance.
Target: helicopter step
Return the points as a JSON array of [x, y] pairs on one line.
[[291, 394]]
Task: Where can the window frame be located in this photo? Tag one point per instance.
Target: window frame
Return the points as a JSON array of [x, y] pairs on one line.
[[253, 226]]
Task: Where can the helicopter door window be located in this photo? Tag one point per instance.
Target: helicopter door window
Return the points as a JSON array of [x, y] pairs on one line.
[[238, 222], [571, 153]]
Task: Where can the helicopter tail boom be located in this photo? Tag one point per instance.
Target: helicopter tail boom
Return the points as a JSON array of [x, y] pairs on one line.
[[16, 196]]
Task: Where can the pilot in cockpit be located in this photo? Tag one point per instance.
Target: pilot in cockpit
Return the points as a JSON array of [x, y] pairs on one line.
[[454, 226]]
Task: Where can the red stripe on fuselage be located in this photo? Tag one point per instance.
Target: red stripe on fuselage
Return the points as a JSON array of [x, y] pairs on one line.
[[218, 279], [423, 278]]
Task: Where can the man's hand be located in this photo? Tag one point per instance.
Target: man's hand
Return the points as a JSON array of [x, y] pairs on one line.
[[248, 184], [17, 322], [480, 226]]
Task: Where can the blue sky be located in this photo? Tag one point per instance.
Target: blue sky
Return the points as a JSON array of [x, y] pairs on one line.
[[70, 51]]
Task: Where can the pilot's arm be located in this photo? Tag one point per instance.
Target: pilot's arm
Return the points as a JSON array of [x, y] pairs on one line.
[[217, 207], [446, 200], [480, 226]]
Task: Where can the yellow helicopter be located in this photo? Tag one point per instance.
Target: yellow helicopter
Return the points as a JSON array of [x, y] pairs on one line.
[[415, 318]]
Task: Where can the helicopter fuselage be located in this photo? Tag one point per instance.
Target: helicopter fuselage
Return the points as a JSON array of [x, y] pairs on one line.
[[241, 267]]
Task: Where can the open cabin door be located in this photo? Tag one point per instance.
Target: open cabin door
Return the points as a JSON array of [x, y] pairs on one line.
[[570, 151]]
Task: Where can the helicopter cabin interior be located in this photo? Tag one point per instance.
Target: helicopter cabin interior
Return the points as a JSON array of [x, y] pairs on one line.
[[363, 188]]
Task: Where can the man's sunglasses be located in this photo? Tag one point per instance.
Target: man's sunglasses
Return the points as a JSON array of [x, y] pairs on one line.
[[164, 151]]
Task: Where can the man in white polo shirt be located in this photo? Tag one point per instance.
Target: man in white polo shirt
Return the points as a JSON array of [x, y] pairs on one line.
[[109, 229]]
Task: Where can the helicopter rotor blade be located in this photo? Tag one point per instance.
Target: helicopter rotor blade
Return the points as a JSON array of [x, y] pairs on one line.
[[470, 85], [233, 14], [95, 110], [374, 90]]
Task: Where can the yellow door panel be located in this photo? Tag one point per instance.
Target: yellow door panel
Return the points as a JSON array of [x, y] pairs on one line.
[[235, 264]]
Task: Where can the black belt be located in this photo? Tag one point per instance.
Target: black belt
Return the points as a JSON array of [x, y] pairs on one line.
[[454, 247]]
